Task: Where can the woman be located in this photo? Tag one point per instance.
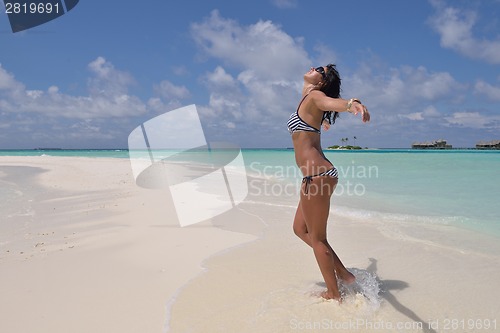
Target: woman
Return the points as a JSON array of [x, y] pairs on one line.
[[320, 99]]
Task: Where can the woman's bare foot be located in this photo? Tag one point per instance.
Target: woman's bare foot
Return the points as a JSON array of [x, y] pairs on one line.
[[346, 276], [331, 295]]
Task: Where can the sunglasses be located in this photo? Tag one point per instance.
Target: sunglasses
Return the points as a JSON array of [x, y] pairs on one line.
[[321, 70]]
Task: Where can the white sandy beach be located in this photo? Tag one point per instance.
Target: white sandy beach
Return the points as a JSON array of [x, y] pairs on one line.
[[83, 249], [89, 251]]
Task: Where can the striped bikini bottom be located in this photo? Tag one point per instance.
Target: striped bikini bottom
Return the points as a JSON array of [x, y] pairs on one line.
[[333, 172]]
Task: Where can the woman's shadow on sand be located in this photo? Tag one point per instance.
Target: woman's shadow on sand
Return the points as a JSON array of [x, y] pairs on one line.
[[387, 286]]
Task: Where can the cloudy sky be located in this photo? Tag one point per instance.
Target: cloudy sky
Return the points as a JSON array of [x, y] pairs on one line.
[[426, 70]]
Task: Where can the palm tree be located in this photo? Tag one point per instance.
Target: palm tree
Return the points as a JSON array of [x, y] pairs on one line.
[[355, 140]]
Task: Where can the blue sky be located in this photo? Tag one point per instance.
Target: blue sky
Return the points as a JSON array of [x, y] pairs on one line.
[[426, 70]]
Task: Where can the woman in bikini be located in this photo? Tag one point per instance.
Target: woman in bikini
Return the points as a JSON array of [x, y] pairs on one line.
[[320, 104]]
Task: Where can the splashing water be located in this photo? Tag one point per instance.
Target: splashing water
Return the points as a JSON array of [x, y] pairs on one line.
[[362, 296]]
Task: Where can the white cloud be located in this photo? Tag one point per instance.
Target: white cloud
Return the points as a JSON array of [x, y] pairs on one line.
[[168, 97], [54, 118], [402, 89], [269, 65], [415, 116], [170, 91], [107, 80], [219, 77], [491, 92], [157, 105], [108, 96], [455, 28], [225, 106], [262, 46], [10, 88], [431, 111], [428, 112], [7, 80], [474, 120], [226, 95]]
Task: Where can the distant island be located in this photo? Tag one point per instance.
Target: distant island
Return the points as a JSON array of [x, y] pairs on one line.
[[442, 144], [345, 147]]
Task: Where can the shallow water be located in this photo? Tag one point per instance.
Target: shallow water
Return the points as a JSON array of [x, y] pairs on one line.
[[458, 188]]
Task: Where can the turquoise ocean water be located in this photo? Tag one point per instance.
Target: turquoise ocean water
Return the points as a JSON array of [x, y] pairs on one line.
[[451, 187]]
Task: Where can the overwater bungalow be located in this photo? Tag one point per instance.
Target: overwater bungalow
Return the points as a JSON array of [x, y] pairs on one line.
[[437, 144], [495, 144]]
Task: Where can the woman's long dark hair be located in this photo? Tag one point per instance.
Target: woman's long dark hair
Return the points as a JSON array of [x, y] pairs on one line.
[[331, 88]]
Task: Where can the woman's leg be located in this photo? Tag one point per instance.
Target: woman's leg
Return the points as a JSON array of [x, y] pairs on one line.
[[310, 225], [300, 229], [299, 225]]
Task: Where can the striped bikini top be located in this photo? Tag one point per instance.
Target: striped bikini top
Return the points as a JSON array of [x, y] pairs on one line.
[[295, 123]]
